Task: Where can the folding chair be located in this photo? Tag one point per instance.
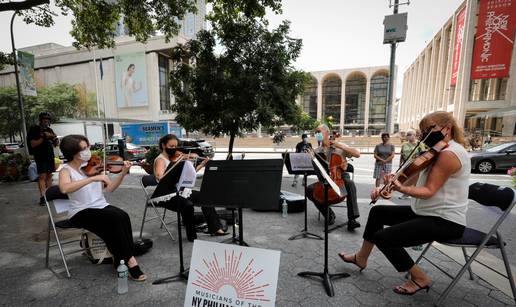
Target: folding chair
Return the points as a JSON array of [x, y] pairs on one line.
[[486, 195], [51, 195], [147, 182]]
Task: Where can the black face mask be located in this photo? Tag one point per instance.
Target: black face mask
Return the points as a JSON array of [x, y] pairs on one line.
[[170, 151], [433, 138]]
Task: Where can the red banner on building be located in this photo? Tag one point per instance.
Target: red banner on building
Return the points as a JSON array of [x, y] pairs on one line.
[[459, 35], [494, 40]]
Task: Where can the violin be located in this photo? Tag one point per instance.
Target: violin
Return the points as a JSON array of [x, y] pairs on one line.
[[95, 166], [337, 166], [411, 168]]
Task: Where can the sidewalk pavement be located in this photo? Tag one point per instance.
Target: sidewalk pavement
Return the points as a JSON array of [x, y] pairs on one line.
[[26, 282]]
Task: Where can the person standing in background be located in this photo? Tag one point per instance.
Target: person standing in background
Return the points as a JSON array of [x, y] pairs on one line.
[[383, 154], [406, 149], [41, 141]]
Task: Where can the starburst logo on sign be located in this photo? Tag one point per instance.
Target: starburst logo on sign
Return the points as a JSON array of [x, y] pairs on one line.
[[217, 275]]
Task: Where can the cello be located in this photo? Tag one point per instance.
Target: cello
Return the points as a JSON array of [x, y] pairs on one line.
[[336, 167]]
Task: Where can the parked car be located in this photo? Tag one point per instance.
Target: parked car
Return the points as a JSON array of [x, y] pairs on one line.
[[498, 157], [132, 152], [200, 147], [9, 147]]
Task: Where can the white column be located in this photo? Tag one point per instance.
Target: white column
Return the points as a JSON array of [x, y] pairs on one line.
[[319, 100], [367, 99], [342, 103]]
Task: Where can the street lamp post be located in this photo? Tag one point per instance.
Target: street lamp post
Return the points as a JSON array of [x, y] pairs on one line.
[[20, 97], [388, 123]]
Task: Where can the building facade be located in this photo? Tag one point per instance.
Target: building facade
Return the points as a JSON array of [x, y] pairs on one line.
[[445, 75], [355, 99], [131, 83]]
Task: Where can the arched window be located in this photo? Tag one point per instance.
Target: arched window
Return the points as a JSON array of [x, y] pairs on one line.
[[378, 98], [310, 98], [331, 91], [355, 100]]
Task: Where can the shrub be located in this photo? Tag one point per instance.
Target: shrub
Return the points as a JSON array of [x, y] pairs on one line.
[[13, 167]]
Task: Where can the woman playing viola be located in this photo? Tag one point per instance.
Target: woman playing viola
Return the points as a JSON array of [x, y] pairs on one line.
[[90, 210], [438, 211], [169, 154]]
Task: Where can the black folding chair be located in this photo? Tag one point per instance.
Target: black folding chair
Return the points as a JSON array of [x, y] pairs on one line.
[[147, 182], [486, 195], [52, 194]]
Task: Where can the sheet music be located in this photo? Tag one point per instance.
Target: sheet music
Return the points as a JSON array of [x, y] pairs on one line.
[[188, 176], [301, 162], [333, 185]]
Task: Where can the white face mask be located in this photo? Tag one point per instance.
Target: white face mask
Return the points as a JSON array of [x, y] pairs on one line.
[[305, 140], [85, 155]]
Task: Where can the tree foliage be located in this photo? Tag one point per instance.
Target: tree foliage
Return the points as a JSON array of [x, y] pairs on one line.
[[61, 100], [244, 81]]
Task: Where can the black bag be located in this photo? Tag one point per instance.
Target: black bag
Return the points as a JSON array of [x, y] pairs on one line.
[[142, 246]]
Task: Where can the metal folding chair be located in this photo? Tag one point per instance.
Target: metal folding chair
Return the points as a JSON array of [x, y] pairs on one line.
[[486, 195], [147, 182], [52, 194]]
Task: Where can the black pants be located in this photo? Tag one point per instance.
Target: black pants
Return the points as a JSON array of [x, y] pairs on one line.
[[406, 229], [351, 199], [112, 225], [186, 206]]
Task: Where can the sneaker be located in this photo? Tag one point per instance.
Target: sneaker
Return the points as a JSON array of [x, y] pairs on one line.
[[331, 221], [352, 224]]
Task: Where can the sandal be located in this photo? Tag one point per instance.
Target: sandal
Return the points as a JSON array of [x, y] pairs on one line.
[[403, 291], [354, 261], [217, 234], [136, 274]]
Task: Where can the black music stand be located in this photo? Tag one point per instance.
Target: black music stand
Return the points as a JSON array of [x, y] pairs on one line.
[[305, 171], [325, 275], [253, 184], [170, 180]]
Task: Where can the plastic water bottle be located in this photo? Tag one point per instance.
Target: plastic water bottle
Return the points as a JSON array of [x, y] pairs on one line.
[[284, 209], [122, 278]]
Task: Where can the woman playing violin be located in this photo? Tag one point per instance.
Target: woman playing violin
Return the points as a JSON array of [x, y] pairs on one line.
[[328, 148], [169, 154], [90, 210], [438, 211]]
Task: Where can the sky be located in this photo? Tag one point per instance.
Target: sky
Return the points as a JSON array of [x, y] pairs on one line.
[[336, 34]]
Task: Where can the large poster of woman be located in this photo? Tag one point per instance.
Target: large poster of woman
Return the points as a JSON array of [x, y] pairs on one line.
[[131, 81]]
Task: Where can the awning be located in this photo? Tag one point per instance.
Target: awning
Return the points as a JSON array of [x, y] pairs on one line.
[[509, 111]]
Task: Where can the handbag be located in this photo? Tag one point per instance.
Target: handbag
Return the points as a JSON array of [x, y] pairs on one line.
[[96, 249]]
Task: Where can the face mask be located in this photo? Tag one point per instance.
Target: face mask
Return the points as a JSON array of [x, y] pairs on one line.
[[85, 155], [170, 151], [305, 140], [319, 136], [433, 138]]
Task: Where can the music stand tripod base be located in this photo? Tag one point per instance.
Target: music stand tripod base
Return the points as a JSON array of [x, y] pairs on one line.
[[234, 238], [304, 233]]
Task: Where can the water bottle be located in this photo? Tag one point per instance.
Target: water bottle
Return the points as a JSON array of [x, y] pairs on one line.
[[122, 278], [284, 209]]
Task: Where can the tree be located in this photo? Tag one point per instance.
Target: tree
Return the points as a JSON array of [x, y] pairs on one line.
[[305, 122], [250, 82]]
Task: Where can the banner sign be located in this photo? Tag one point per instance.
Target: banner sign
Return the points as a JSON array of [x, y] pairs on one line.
[[226, 275], [145, 133], [457, 47], [131, 80], [494, 39], [26, 73]]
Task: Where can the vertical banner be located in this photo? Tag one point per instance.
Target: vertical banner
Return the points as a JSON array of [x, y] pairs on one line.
[[231, 275], [26, 73], [457, 47], [494, 39], [131, 80]]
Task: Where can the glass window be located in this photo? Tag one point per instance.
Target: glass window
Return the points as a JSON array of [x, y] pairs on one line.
[[310, 99], [488, 89], [355, 100], [378, 98], [332, 89], [164, 89]]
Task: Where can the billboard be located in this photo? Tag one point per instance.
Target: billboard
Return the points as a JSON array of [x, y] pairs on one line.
[[131, 80], [457, 47], [147, 134], [494, 39], [26, 73], [231, 275]]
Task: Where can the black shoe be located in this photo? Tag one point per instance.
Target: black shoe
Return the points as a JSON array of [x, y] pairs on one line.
[[352, 224], [331, 221], [42, 201]]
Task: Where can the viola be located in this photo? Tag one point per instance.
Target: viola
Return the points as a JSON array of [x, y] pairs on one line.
[[337, 166], [411, 168], [95, 166]]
